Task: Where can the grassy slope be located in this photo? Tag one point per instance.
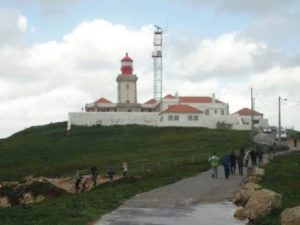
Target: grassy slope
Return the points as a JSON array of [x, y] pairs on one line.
[[48, 151], [283, 176]]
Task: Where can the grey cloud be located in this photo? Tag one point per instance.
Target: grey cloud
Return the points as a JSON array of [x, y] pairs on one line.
[[249, 6]]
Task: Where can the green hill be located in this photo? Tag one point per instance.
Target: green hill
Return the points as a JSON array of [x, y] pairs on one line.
[[155, 157], [48, 151]]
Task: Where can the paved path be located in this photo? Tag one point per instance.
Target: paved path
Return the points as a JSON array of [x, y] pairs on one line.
[[198, 189], [178, 202]]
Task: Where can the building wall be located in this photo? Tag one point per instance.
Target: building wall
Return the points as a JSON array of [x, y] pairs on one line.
[[127, 92], [111, 118], [151, 119]]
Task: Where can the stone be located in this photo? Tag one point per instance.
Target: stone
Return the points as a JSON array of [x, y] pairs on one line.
[[4, 202], [239, 214], [258, 172], [241, 197], [261, 203], [39, 198], [27, 199], [291, 216], [254, 179]]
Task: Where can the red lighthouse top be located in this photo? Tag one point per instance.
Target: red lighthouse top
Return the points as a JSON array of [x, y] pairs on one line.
[[126, 65]]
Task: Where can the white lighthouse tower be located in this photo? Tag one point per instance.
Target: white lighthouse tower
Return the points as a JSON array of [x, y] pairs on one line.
[[127, 91]]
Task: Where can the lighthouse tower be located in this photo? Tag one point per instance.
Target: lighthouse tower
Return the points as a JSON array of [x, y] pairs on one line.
[[127, 91]]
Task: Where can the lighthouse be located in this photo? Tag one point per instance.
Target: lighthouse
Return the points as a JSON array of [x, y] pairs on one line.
[[127, 90]]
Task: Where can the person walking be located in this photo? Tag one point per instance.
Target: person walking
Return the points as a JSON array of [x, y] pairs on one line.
[[77, 184], [125, 169], [240, 162], [260, 155], [253, 157], [233, 159], [214, 161], [246, 158], [94, 172], [295, 142], [226, 165], [110, 173]]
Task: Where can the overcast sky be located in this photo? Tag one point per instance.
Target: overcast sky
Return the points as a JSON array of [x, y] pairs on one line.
[[57, 55]]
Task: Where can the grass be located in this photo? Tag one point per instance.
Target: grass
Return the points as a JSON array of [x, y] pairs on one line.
[[155, 156], [283, 176], [47, 151]]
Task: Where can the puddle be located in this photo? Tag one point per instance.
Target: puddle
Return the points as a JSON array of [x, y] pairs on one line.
[[205, 214]]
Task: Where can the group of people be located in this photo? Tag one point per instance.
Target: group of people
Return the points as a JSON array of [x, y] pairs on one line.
[[236, 160], [81, 182]]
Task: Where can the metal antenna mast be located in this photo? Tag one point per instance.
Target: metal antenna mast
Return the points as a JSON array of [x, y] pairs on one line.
[[157, 63]]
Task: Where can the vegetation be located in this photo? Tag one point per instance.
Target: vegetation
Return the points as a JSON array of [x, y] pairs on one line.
[[283, 176], [155, 157]]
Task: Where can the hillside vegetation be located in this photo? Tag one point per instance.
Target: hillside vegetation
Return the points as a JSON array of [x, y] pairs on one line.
[[155, 157], [283, 176], [48, 151]]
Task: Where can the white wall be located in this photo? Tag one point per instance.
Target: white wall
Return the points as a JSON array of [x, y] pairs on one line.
[[112, 118], [150, 119]]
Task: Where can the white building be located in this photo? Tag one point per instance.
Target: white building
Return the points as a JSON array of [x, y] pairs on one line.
[[172, 110], [246, 117]]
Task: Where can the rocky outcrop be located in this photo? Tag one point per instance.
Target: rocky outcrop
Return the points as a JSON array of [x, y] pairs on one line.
[[4, 202], [240, 213], [261, 203], [256, 175], [241, 197], [291, 216]]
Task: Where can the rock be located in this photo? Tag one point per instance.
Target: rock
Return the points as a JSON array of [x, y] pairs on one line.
[[258, 172], [239, 214], [261, 203], [27, 199], [4, 202], [39, 198], [291, 216], [241, 197], [254, 179]]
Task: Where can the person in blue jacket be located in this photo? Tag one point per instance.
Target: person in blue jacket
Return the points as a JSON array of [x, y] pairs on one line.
[[226, 162]]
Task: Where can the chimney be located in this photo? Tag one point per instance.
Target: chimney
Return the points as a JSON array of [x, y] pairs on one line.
[[213, 98]]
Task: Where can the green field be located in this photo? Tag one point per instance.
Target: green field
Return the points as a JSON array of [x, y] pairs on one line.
[[283, 176], [155, 156]]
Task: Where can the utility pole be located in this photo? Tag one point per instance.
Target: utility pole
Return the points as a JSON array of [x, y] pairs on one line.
[[252, 112], [279, 120]]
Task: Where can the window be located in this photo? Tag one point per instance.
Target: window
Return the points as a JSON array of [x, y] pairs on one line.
[[176, 117], [190, 118], [216, 111], [127, 86], [195, 117], [170, 118], [206, 112], [222, 112], [161, 118]]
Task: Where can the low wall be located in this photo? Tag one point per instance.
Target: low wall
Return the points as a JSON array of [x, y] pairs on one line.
[[112, 118], [149, 119]]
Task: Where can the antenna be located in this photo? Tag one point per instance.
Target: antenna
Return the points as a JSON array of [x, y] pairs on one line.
[[157, 63]]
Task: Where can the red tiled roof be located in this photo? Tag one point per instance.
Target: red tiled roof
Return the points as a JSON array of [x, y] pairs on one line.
[[181, 109], [247, 112], [197, 99], [169, 96], [103, 100], [151, 101]]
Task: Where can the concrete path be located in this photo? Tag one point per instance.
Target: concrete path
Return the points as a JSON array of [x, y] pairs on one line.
[[198, 189], [180, 202]]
